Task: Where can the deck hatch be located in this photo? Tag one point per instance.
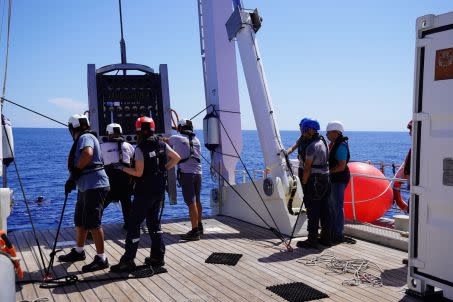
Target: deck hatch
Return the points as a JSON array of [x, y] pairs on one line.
[[224, 258], [297, 291]]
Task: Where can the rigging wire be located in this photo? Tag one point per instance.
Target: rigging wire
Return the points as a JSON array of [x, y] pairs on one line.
[[3, 15], [35, 112], [7, 49], [253, 182], [26, 205]]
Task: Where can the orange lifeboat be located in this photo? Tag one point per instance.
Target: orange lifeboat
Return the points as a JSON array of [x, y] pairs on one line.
[[373, 197]]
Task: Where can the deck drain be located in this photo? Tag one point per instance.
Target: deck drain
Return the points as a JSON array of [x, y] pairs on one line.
[[224, 258], [296, 292]]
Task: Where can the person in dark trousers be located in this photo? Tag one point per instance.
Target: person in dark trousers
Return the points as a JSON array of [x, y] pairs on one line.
[[315, 183], [407, 170], [116, 150], [339, 156], [187, 145], [152, 160], [87, 173]]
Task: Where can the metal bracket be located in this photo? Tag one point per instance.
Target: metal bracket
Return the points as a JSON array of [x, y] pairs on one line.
[[416, 263], [417, 190], [421, 116]]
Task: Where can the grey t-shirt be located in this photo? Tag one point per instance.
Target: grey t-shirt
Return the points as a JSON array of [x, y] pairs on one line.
[[317, 152], [180, 144], [95, 179]]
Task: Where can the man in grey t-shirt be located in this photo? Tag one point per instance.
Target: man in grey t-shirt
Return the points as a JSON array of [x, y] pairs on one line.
[[316, 183], [187, 145]]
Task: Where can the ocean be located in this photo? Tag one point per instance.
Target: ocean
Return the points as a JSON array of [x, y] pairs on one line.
[[41, 156]]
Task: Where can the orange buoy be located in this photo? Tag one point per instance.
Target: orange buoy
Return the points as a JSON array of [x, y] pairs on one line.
[[372, 197]]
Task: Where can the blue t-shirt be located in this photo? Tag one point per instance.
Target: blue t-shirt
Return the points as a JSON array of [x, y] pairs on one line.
[[342, 153], [95, 179]]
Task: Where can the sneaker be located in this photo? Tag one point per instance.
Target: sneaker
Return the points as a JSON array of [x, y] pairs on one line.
[[192, 235], [309, 243], [124, 266], [96, 265], [154, 261], [200, 228], [72, 256]]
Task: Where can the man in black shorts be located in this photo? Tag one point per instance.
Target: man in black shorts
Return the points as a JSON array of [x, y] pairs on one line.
[[87, 172], [187, 145]]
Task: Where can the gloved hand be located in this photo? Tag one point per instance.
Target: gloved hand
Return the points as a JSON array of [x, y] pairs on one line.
[[118, 166], [75, 174], [69, 186]]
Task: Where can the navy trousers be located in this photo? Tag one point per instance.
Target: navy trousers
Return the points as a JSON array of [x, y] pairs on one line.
[[336, 207], [316, 197], [145, 208]]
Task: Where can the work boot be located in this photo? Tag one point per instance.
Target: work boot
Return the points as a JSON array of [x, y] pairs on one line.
[[200, 228], [151, 261], [96, 265], [309, 243], [72, 256], [325, 239], [192, 235], [124, 266]]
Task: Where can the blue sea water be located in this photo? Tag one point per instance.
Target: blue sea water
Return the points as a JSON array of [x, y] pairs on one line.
[[41, 156]]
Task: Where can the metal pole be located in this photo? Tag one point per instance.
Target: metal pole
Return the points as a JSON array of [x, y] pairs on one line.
[[122, 42]]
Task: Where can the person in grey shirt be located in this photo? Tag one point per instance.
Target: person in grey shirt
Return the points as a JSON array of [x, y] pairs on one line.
[[315, 183], [187, 145]]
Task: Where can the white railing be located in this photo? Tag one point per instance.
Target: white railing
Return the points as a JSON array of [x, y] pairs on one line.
[[256, 174], [390, 179]]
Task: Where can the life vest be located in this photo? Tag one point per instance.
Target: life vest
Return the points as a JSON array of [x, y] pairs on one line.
[[121, 183], [7, 248], [302, 149], [345, 175], [192, 154], [153, 180], [88, 169]]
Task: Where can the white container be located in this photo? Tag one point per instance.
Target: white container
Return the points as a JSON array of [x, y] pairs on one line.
[[5, 207], [7, 280], [401, 222]]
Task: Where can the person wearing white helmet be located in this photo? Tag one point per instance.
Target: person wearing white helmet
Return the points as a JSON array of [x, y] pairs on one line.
[[189, 174], [116, 151], [86, 169], [339, 156]]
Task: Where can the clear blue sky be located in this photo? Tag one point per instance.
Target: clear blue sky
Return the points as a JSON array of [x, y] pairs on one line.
[[345, 60]]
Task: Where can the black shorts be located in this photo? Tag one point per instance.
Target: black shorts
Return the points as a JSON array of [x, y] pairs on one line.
[[191, 187], [89, 208]]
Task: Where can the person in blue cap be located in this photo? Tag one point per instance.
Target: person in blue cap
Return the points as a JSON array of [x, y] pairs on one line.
[[314, 175]]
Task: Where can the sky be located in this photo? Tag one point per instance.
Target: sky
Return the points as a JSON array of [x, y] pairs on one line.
[[331, 60]]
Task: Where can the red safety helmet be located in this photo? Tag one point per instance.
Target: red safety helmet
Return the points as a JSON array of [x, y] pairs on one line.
[[145, 123]]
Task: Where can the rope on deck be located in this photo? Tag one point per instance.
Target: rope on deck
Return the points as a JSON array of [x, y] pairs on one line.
[[358, 267]]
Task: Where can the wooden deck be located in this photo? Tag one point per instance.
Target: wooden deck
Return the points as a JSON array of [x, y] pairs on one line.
[[189, 278]]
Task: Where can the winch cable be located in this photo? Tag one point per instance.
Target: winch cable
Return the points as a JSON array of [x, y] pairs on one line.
[[7, 49], [35, 112], [275, 230], [27, 206], [254, 185], [277, 233]]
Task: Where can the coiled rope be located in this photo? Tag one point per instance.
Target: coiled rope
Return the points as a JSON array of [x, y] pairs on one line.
[[358, 267]]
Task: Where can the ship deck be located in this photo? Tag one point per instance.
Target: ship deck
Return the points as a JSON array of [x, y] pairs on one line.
[[189, 278]]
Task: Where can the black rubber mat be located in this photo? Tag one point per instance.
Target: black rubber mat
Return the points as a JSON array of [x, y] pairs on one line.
[[296, 292], [224, 258]]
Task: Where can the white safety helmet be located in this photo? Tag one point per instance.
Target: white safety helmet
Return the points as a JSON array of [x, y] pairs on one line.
[[114, 128], [335, 126], [182, 122], [77, 121]]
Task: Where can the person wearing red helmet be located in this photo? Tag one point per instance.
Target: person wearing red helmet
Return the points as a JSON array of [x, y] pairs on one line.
[[152, 160]]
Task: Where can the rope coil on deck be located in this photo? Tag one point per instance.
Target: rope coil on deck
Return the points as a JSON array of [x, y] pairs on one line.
[[358, 267]]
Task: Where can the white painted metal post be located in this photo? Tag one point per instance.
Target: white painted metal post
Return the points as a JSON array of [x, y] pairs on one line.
[[261, 101]]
